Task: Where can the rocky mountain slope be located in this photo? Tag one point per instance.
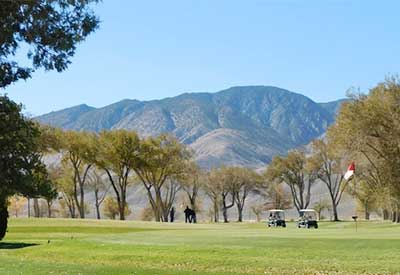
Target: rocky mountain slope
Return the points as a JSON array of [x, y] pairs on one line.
[[238, 126]]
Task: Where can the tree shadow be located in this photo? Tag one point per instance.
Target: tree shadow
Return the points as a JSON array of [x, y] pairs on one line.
[[15, 245]]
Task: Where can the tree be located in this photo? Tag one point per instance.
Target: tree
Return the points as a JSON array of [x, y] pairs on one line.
[[79, 150], [49, 29], [320, 206], [293, 171], [257, 209], [275, 194], [368, 127], [330, 165], [147, 214], [50, 197], [22, 172], [111, 208], [66, 186], [212, 189], [118, 154], [191, 181], [244, 182], [49, 142], [97, 184], [367, 189], [220, 189], [16, 203], [365, 196], [160, 161]]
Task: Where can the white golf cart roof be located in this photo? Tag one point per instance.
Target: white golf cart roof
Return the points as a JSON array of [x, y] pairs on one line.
[[307, 210], [276, 210]]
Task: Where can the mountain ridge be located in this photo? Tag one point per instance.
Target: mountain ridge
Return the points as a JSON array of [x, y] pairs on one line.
[[242, 125]]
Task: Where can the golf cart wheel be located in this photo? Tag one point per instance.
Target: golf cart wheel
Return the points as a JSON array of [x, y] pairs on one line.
[[284, 225], [316, 226]]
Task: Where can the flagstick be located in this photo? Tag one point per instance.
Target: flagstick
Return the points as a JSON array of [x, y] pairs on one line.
[[355, 193]]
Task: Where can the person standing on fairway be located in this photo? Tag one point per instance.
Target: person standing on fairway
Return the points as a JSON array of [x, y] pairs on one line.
[[188, 217], [172, 214]]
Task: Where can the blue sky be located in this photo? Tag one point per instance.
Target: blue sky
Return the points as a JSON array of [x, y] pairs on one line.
[[154, 49]]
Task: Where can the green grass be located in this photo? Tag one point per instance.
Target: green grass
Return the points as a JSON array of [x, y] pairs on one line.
[[113, 247]]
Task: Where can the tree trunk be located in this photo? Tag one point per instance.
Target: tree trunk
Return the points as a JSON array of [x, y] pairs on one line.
[[72, 210], [216, 211], [385, 214], [335, 212], [334, 207], [366, 211], [121, 207], [3, 218], [82, 202], [193, 203], [29, 207], [98, 211], [36, 209], [225, 214], [166, 216], [48, 209], [240, 213], [394, 216], [96, 197]]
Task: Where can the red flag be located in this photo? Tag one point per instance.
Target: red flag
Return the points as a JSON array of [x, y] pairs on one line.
[[350, 171]]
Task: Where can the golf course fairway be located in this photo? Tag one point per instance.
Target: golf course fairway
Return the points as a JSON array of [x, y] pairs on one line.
[[72, 246]]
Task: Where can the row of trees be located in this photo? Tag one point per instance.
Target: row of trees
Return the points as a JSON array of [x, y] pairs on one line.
[[114, 160], [124, 159]]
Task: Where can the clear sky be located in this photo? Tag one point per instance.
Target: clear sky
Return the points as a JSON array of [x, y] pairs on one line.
[[155, 49]]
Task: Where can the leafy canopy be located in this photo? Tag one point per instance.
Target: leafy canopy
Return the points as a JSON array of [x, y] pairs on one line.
[[47, 30]]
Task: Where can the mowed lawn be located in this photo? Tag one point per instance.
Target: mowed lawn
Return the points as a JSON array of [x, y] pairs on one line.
[[114, 247]]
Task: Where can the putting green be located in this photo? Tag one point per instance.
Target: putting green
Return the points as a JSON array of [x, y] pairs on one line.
[[61, 246]]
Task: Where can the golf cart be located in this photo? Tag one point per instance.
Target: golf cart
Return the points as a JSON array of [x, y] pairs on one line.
[[276, 218], [307, 219]]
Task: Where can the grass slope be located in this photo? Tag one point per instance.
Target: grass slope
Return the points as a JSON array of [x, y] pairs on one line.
[[113, 247]]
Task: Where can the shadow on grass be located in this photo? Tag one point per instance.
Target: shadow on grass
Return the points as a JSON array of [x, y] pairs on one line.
[[15, 245]]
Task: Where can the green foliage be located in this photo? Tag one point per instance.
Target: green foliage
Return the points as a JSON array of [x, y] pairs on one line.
[[111, 208], [50, 30], [368, 128], [191, 181], [244, 182], [330, 164], [79, 151], [147, 214], [320, 206], [296, 173], [22, 171], [119, 153], [276, 195], [161, 162]]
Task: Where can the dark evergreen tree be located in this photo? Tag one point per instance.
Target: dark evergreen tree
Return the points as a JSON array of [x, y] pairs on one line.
[[21, 170]]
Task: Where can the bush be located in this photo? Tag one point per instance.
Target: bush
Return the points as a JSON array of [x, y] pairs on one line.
[[147, 214]]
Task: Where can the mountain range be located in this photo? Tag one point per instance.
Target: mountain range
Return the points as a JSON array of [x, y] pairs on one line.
[[245, 125]]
